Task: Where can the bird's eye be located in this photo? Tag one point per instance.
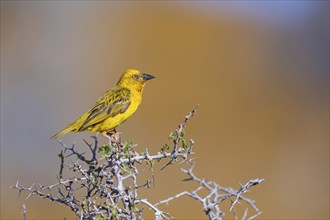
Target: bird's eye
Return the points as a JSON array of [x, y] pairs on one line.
[[136, 77]]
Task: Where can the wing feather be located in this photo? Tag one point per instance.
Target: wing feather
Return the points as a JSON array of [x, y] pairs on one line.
[[112, 103]]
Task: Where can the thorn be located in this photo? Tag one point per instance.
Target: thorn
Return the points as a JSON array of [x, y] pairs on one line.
[[30, 188], [86, 142], [187, 179], [29, 195]]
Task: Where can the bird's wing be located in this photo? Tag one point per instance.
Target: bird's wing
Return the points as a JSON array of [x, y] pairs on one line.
[[112, 103]]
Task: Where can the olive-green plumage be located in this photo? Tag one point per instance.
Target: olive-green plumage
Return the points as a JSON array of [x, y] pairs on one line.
[[114, 107]]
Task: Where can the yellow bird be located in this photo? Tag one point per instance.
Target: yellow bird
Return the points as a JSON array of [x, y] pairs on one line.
[[114, 107]]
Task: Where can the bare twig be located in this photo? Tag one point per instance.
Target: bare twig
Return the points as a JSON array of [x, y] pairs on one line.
[[24, 212], [212, 200], [103, 182]]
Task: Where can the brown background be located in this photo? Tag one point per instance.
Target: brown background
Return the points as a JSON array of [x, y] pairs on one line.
[[258, 70]]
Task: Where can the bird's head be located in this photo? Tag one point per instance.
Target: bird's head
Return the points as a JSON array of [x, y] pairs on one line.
[[134, 79]]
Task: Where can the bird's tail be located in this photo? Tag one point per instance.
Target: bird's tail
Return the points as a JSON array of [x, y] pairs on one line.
[[69, 128]]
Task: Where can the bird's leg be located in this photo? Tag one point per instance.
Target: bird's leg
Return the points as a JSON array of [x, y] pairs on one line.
[[114, 139], [108, 137], [112, 136], [117, 135]]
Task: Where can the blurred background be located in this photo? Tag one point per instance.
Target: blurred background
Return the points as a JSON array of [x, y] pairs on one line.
[[259, 71]]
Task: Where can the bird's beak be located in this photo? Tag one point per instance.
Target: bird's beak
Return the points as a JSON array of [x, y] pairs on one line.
[[147, 76]]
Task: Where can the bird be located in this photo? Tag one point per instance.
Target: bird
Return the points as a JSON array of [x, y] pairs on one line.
[[114, 107]]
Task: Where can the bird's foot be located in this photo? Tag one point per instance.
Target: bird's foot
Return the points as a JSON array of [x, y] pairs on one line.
[[113, 137]]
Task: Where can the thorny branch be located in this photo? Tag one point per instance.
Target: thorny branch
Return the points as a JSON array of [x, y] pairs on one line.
[[212, 200], [103, 182]]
